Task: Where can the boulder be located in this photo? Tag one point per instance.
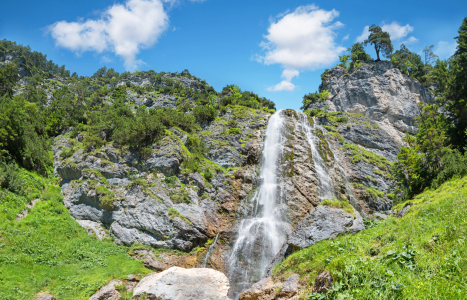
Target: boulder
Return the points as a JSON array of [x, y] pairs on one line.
[[183, 284], [266, 289], [322, 223], [262, 290], [108, 292]]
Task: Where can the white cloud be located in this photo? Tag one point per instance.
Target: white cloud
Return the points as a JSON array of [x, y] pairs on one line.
[[122, 29], [345, 38], [410, 40], [289, 74], [445, 49], [397, 31], [365, 33], [301, 40], [282, 86]]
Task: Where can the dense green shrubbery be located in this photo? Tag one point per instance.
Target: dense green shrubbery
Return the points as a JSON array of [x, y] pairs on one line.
[[33, 62]]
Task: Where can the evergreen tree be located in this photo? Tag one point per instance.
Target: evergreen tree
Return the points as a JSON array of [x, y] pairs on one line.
[[380, 39]]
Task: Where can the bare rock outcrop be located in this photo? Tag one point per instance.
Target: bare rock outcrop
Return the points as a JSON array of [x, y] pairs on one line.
[[377, 91], [322, 223], [183, 284]]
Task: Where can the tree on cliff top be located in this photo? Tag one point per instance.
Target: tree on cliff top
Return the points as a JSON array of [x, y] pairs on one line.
[[380, 39]]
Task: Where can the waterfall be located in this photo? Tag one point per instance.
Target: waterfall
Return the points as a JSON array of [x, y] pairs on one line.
[[262, 233], [326, 186], [210, 249]]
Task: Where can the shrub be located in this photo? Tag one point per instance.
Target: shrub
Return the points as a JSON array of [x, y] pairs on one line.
[[10, 178], [204, 113]]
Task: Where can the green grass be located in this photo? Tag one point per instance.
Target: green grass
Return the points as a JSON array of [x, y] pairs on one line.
[[48, 250], [175, 213], [420, 256], [339, 204], [358, 153]]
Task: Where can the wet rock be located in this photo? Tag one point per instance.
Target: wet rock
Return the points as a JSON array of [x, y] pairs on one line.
[[108, 292], [184, 284], [323, 283], [324, 223], [262, 290]]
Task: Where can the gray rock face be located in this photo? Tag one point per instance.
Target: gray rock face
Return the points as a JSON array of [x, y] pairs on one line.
[[183, 284], [324, 223], [379, 92]]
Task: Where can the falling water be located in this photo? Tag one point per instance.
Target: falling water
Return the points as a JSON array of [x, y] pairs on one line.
[[326, 186], [210, 249], [260, 235]]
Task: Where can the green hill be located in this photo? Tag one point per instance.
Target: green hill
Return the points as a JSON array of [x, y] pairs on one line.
[[422, 255]]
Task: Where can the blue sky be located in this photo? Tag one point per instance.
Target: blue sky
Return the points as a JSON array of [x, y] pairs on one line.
[[277, 49]]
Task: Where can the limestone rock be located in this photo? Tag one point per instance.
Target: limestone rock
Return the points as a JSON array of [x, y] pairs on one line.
[[324, 223], [378, 91], [262, 290], [290, 286], [323, 283], [45, 297], [108, 292], [183, 284]]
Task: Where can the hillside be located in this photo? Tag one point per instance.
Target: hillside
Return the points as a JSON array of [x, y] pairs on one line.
[[153, 185], [417, 253]]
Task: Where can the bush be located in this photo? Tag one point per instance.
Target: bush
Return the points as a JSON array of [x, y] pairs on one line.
[[10, 178], [204, 113]]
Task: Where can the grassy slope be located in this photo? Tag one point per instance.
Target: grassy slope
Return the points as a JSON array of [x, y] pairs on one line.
[[420, 256], [49, 251]]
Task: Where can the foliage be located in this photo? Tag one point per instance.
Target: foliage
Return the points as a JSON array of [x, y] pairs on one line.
[[358, 56], [49, 251], [380, 39], [33, 62], [205, 113], [419, 164], [420, 256], [409, 63], [310, 98], [23, 136]]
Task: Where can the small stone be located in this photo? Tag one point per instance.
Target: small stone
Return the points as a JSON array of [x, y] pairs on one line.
[[154, 264], [323, 283], [45, 297]]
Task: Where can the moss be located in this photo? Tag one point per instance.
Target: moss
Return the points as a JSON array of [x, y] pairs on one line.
[[174, 213]]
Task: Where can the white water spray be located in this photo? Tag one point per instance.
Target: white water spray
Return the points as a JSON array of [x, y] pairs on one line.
[[326, 186], [260, 235]]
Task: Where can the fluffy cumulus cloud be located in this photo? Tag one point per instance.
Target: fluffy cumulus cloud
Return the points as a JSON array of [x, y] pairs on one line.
[[123, 29], [301, 40], [397, 32]]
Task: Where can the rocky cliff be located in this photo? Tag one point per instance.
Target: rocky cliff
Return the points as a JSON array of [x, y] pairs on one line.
[[377, 91], [154, 200]]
